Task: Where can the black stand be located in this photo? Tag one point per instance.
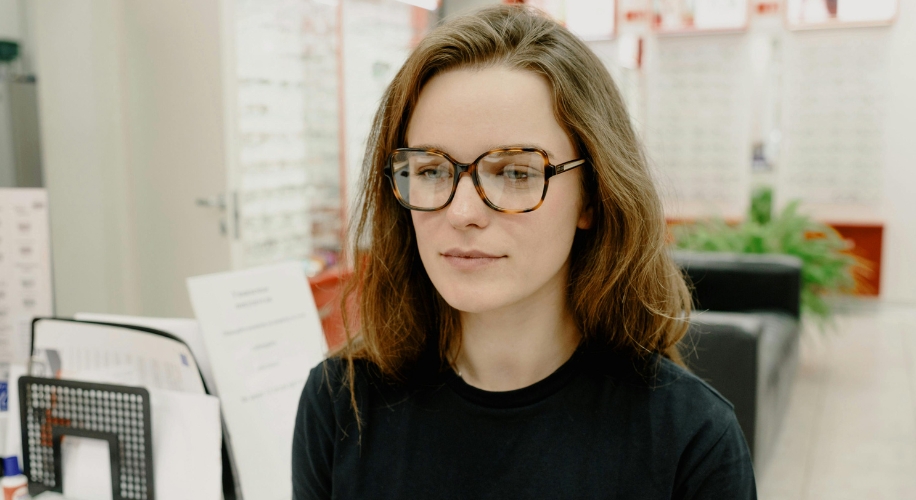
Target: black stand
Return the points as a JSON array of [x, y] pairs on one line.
[[51, 409]]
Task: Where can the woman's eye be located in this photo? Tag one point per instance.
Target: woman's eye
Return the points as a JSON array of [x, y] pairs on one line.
[[516, 174], [432, 172]]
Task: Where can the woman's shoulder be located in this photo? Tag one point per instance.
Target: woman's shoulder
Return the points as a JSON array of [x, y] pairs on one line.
[[668, 374], [330, 380], [324, 387], [714, 458], [331, 370], [326, 403], [335, 381], [697, 424], [663, 387]]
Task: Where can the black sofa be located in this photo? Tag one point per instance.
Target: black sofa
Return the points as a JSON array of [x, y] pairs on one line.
[[744, 334]]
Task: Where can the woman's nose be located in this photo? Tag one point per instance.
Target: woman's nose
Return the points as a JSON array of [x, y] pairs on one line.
[[466, 208]]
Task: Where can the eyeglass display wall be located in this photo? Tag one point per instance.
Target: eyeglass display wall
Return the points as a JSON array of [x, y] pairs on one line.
[[378, 37], [801, 104], [834, 116], [288, 162], [697, 120], [802, 110], [719, 104], [297, 61]]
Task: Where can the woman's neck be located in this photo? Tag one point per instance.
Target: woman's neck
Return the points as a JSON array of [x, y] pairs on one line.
[[518, 345]]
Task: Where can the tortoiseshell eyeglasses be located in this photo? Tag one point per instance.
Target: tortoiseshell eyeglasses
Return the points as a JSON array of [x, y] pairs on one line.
[[512, 180]]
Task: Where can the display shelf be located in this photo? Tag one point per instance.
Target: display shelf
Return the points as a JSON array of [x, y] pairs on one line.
[[691, 17], [832, 14]]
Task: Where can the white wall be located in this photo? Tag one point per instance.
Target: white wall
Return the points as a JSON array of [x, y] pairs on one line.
[[9, 31], [452, 7], [9, 20], [80, 97], [899, 260], [7, 156]]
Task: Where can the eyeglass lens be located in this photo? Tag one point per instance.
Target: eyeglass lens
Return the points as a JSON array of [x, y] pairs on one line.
[[512, 180]]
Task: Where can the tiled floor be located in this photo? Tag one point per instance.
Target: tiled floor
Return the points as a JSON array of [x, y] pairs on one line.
[[850, 431]]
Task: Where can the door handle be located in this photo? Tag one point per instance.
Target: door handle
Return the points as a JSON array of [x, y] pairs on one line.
[[218, 201]]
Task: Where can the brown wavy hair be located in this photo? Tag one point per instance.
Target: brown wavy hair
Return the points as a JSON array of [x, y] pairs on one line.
[[624, 290]]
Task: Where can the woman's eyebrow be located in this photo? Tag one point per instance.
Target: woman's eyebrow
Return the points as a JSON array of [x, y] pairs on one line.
[[439, 147], [524, 145]]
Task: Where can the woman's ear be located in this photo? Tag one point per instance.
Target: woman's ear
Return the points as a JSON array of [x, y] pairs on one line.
[[585, 217]]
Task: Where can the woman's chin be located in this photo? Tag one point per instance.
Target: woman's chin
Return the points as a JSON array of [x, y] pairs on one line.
[[473, 303]]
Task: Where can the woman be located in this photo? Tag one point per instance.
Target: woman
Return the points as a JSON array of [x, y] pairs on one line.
[[514, 341]]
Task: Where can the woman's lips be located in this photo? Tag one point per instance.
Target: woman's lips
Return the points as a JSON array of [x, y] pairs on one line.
[[469, 260]]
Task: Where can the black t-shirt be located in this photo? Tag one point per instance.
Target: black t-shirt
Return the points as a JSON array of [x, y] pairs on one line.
[[601, 426]]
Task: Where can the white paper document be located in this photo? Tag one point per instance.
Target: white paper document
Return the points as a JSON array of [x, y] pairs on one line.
[[86, 468], [109, 354], [263, 335], [25, 268], [187, 446], [187, 460], [185, 329]]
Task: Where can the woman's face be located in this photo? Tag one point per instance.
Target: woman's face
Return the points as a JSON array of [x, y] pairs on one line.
[[479, 259]]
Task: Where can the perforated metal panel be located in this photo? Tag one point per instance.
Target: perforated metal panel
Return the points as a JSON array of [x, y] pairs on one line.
[[52, 408]]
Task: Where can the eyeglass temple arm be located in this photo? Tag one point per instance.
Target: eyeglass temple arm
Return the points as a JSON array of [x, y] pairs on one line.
[[563, 167]]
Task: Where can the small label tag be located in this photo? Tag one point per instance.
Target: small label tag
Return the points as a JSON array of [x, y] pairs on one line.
[[4, 396]]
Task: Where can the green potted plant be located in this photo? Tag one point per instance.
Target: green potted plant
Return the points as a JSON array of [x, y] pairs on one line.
[[827, 266]]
